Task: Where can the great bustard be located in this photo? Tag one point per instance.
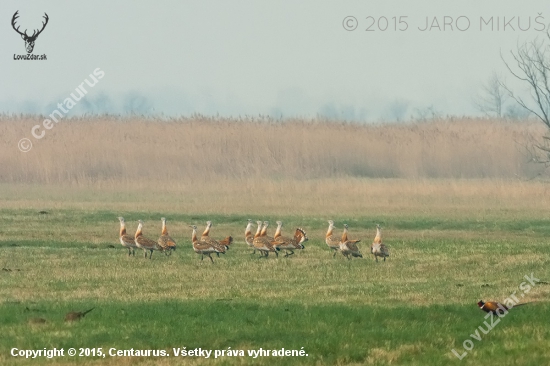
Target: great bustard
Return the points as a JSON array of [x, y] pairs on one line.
[[165, 241], [126, 240], [262, 242], [377, 248], [203, 248], [248, 236], [143, 242], [349, 247], [332, 240], [225, 243], [289, 244]]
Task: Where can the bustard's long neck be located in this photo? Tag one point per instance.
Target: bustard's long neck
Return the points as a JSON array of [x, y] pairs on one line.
[[378, 238], [329, 231], [194, 236], [264, 230], [138, 231], [122, 229], [259, 231], [278, 231], [345, 234], [207, 230], [248, 230], [164, 230]]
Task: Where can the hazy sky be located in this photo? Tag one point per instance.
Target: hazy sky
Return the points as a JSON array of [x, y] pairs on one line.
[[260, 57]]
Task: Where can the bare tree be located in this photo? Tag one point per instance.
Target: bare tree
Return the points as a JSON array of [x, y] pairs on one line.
[[516, 112], [427, 113], [493, 98], [531, 65]]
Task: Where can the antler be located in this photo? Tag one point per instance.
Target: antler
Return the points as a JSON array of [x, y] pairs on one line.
[[36, 31], [43, 26], [15, 16]]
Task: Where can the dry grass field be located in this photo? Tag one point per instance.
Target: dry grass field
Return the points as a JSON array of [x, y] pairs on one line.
[[460, 211], [131, 152]]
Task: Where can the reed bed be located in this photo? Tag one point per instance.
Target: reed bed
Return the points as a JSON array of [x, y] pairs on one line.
[[116, 151]]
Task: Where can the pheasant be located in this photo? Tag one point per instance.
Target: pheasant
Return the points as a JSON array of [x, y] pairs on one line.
[[126, 240], [377, 248], [76, 315], [145, 243], [495, 307], [248, 236], [349, 247], [165, 241], [262, 242], [225, 243], [289, 244], [203, 248], [332, 241]]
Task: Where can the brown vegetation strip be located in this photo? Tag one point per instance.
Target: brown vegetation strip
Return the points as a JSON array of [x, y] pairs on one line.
[[198, 149]]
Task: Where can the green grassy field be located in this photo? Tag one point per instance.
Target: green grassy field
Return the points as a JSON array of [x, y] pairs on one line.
[[412, 309]]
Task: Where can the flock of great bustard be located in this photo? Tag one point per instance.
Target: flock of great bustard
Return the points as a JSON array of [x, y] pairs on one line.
[[259, 241]]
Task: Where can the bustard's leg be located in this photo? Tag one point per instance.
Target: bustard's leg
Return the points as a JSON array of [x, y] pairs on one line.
[[210, 258], [335, 251], [145, 253]]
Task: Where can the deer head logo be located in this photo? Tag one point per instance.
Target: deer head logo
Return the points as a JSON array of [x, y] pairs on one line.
[[29, 40]]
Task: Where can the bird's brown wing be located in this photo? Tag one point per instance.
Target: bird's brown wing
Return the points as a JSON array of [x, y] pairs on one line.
[[166, 242], [352, 245], [128, 240], [332, 241], [147, 243]]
